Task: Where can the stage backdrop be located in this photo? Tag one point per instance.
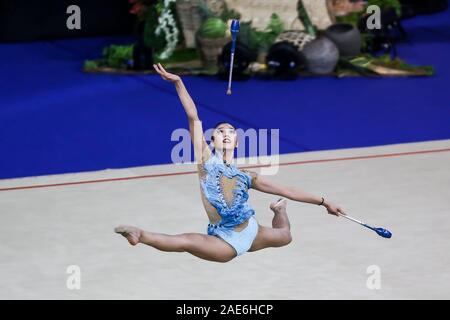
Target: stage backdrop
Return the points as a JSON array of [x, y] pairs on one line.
[[25, 20]]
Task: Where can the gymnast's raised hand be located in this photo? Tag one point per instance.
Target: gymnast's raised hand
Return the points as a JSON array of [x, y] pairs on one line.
[[166, 75]]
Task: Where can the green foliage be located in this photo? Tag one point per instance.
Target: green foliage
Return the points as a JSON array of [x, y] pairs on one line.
[[230, 14], [304, 18], [159, 7], [90, 65], [205, 12], [397, 63], [248, 35], [213, 28], [368, 65], [157, 42], [271, 32], [366, 41], [384, 4], [261, 40], [116, 56], [352, 18], [275, 25]]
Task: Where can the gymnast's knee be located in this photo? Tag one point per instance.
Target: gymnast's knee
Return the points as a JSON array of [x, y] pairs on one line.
[[186, 242], [286, 237], [225, 259]]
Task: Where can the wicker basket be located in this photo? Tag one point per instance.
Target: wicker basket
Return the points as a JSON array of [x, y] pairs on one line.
[[298, 38], [210, 49]]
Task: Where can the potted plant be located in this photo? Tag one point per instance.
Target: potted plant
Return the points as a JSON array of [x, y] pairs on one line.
[[211, 38]]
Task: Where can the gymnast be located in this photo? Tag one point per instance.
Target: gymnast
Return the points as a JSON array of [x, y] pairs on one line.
[[233, 228]]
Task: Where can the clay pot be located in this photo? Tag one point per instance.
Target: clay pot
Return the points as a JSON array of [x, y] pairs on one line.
[[321, 56], [346, 37], [210, 49]]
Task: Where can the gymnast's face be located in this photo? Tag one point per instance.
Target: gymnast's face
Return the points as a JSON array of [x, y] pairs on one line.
[[225, 137]]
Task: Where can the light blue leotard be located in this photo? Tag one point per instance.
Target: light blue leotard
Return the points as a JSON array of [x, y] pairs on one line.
[[235, 213]]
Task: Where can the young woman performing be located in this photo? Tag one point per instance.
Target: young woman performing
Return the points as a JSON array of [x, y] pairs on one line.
[[233, 228]]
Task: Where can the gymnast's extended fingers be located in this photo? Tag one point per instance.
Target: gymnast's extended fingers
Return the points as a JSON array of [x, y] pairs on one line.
[[157, 69], [162, 69]]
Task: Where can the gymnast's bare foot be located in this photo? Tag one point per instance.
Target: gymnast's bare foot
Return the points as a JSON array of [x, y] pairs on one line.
[[132, 234], [279, 206]]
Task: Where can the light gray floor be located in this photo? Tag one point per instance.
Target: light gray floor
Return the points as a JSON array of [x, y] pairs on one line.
[[43, 231]]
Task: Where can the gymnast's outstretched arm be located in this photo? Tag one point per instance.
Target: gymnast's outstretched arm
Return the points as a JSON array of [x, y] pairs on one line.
[[201, 149], [265, 185]]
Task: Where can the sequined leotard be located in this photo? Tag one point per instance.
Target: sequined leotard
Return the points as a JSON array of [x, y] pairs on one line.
[[233, 211]]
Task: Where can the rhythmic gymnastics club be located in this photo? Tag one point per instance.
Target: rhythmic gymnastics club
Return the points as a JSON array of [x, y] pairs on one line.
[[380, 231], [234, 31]]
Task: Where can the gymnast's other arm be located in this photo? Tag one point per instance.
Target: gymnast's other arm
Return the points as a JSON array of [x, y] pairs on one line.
[[263, 184], [201, 149]]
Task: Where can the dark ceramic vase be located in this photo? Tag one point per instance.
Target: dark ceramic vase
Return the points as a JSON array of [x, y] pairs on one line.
[[346, 37], [283, 58]]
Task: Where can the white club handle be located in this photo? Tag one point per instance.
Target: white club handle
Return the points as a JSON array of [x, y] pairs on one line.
[[352, 219], [231, 73]]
